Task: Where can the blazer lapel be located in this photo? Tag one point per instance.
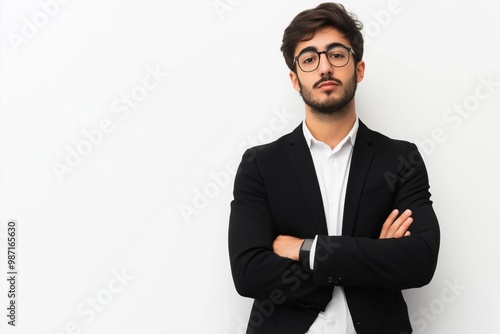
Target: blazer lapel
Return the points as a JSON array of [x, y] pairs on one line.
[[300, 157], [360, 164]]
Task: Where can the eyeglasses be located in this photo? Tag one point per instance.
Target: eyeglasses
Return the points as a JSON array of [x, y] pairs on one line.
[[338, 55]]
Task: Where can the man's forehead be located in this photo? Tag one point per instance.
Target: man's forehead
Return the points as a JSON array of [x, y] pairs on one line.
[[321, 39]]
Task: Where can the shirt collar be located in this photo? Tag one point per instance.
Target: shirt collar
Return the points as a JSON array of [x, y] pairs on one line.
[[351, 136]]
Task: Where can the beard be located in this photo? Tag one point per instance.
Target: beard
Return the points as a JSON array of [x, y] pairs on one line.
[[330, 104]]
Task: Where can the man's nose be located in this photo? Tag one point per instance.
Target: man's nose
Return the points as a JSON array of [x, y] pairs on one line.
[[324, 65]]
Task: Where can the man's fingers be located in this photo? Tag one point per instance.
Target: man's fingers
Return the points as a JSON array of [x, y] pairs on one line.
[[403, 228], [388, 222], [396, 227], [401, 222]]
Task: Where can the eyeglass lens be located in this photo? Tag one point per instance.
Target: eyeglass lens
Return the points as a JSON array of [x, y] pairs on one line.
[[338, 56]]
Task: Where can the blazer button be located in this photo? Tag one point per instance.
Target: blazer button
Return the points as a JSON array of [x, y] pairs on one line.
[[330, 280]]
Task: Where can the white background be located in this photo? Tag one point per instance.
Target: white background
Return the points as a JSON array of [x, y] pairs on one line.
[[132, 237]]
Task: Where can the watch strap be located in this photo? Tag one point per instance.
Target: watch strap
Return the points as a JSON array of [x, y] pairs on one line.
[[304, 254]]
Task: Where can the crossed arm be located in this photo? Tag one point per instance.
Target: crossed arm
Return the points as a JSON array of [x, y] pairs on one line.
[[394, 227], [262, 263]]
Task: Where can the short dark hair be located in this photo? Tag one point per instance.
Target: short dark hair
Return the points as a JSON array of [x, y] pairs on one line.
[[304, 25]]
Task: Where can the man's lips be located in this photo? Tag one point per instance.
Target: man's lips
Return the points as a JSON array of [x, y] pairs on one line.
[[328, 85]]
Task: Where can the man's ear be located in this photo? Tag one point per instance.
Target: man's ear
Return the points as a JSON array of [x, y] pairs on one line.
[[295, 81], [360, 71]]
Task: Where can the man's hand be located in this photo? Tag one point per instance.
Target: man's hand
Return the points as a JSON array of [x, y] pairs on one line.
[[287, 246], [396, 227]]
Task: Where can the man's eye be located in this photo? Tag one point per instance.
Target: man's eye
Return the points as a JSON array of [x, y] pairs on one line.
[[309, 60], [337, 55]]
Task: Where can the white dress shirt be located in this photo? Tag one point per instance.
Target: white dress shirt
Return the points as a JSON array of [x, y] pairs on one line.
[[332, 170]]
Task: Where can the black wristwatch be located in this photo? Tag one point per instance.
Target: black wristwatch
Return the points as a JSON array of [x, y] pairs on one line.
[[304, 253]]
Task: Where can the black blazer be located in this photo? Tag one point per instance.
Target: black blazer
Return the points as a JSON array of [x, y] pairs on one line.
[[276, 191]]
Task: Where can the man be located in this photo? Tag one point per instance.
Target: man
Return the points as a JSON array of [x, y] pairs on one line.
[[330, 222]]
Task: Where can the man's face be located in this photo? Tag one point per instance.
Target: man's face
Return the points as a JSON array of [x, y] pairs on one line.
[[327, 89]]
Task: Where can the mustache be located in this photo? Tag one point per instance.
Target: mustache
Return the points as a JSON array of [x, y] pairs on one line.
[[327, 78]]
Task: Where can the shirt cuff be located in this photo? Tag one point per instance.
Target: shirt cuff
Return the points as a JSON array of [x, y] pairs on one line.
[[313, 253]]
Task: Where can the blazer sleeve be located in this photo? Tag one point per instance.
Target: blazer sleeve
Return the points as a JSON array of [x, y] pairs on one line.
[[402, 263], [257, 271]]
